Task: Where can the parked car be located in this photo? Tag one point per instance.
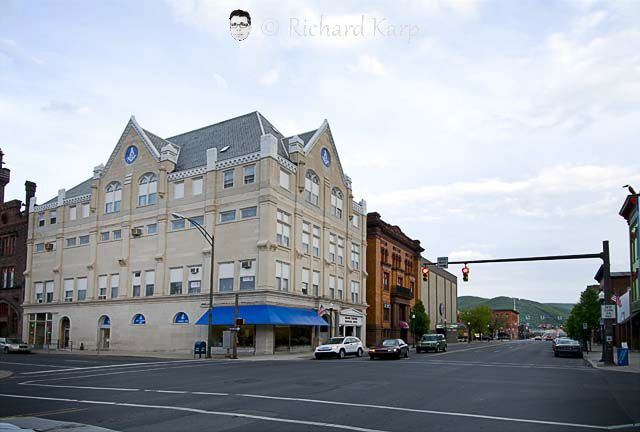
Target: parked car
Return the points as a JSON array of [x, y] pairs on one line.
[[431, 342], [8, 345], [565, 346], [555, 341], [390, 348], [548, 337], [340, 347], [538, 337]]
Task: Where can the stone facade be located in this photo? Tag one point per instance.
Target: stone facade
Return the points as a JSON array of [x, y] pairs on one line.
[[131, 276], [13, 255], [440, 297], [393, 261]]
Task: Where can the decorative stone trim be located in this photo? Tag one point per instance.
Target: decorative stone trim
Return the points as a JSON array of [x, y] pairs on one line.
[[127, 179], [44, 207], [287, 164], [357, 208], [78, 199], [240, 160], [179, 175]]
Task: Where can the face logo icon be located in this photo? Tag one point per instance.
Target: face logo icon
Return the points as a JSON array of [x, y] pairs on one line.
[[131, 154], [240, 24], [326, 157]]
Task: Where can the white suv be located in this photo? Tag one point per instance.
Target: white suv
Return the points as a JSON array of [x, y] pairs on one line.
[[340, 347]]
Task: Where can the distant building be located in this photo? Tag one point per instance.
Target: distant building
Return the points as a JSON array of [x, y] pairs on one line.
[[13, 255], [440, 297], [512, 318], [630, 212], [621, 288]]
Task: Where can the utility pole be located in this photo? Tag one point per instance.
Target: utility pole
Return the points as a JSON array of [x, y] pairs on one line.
[[234, 343], [607, 343]]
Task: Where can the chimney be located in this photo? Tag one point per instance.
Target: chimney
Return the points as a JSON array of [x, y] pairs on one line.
[[4, 177], [30, 189]]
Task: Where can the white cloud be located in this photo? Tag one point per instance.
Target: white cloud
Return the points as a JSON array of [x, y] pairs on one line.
[[462, 255], [270, 77], [369, 65], [219, 81], [64, 107]]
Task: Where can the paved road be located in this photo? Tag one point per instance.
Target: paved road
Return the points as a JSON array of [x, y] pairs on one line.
[[499, 386]]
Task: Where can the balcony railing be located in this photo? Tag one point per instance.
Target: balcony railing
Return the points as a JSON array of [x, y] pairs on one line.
[[401, 291]]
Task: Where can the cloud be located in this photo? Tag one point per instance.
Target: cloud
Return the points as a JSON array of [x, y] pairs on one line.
[[368, 64], [270, 77], [64, 107], [462, 255], [219, 81]]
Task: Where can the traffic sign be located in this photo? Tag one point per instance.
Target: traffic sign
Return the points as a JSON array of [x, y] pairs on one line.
[[608, 311], [584, 326], [443, 262]]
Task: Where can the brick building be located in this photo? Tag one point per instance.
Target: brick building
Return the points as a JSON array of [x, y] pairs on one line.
[[13, 254], [630, 211], [393, 262], [512, 318]]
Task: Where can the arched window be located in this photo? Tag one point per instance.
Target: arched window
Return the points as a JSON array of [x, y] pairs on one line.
[[139, 319], [181, 318], [312, 188], [148, 190], [336, 202], [113, 197], [104, 322]]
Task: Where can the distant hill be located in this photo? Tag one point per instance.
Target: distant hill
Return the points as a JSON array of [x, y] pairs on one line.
[[531, 312]]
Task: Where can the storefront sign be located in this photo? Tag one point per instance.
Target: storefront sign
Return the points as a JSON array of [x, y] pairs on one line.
[[350, 320], [608, 311]]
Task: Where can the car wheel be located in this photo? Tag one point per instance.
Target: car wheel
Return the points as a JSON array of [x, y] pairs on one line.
[[317, 357], [437, 349], [444, 349], [360, 352], [372, 358], [406, 353], [341, 354], [6, 350]]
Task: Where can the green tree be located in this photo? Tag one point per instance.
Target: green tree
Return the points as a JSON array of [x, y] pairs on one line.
[[479, 318], [587, 311], [497, 322], [420, 324]]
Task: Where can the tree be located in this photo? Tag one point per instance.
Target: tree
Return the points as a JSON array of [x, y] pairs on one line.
[[498, 322], [479, 318], [587, 311], [420, 324]]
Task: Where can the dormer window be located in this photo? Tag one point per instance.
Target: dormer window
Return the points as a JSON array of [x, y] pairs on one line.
[[336, 203], [148, 190], [113, 197], [312, 188]]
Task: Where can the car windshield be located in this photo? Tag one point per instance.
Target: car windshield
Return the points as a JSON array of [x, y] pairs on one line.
[[390, 342], [13, 341], [335, 340], [429, 337], [565, 342]]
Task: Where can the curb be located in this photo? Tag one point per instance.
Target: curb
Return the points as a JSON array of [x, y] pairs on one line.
[[5, 374]]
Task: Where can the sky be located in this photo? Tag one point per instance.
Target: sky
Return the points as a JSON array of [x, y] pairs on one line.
[[484, 129]]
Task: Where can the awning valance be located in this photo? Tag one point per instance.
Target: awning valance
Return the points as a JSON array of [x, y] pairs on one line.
[[264, 314]]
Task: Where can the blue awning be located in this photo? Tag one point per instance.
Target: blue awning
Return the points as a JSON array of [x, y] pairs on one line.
[[264, 314]]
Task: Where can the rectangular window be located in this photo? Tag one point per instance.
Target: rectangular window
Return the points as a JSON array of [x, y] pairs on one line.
[[115, 284], [332, 248], [41, 219], [8, 245], [39, 247], [356, 220], [316, 283], [228, 179], [282, 276], [283, 229], [195, 279], [248, 212], [73, 213], [102, 287], [71, 242], [68, 290], [39, 291], [175, 287], [104, 236], [249, 174], [228, 216], [53, 216], [198, 220], [8, 277], [332, 286], [177, 224], [248, 275], [49, 288], [135, 284], [340, 288], [385, 281], [355, 292], [355, 256], [340, 251], [84, 240], [305, 281], [178, 190], [386, 314], [306, 236], [284, 179], [196, 186], [316, 241], [152, 229], [85, 210], [82, 288], [225, 277], [117, 234], [150, 281]]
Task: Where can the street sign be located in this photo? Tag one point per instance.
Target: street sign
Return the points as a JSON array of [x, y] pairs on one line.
[[234, 329], [608, 311], [443, 262], [609, 338], [584, 326]]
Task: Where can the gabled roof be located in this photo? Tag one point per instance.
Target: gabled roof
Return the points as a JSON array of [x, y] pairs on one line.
[[83, 188]]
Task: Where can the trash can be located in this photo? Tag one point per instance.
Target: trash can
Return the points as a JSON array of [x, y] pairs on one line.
[[623, 356]]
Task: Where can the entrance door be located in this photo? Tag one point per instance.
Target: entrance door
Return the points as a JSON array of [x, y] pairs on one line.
[[104, 332], [65, 326]]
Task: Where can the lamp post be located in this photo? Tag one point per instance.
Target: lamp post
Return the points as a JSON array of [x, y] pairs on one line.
[[413, 327], [330, 320], [209, 239], [601, 300], [469, 332]]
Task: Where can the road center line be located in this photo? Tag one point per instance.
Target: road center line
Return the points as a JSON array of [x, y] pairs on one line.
[[76, 369], [201, 411]]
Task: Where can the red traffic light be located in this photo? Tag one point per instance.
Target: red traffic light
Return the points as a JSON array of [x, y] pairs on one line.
[[425, 273], [465, 270], [465, 273]]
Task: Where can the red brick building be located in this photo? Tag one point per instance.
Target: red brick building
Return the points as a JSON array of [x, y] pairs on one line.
[[13, 254], [512, 318]]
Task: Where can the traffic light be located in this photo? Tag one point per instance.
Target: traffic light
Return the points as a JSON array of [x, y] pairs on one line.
[[425, 273], [465, 273]]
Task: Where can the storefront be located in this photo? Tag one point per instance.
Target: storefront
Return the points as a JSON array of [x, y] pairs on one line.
[[351, 322], [40, 327]]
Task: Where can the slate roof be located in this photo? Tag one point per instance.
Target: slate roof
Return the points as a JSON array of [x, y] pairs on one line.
[[305, 137], [242, 135]]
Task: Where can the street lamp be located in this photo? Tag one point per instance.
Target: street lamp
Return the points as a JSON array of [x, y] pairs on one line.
[[330, 320], [413, 327], [601, 300], [209, 239], [469, 332]]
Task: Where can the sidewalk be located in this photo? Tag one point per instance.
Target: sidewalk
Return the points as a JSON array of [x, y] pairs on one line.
[[593, 359], [42, 424], [179, 355]]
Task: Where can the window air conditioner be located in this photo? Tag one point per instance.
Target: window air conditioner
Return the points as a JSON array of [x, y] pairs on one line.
[[246, 264], [194, 270], [48, 247], [136, 232]]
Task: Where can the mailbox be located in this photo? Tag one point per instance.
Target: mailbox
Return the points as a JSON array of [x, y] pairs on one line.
[[199, 348]]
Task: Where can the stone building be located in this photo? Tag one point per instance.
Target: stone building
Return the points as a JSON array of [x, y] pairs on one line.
[[110, 267], [13, 255], [393, 261], [440, 297]]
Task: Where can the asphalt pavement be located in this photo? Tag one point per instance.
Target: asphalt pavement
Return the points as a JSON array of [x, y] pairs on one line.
[[497, 386]]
